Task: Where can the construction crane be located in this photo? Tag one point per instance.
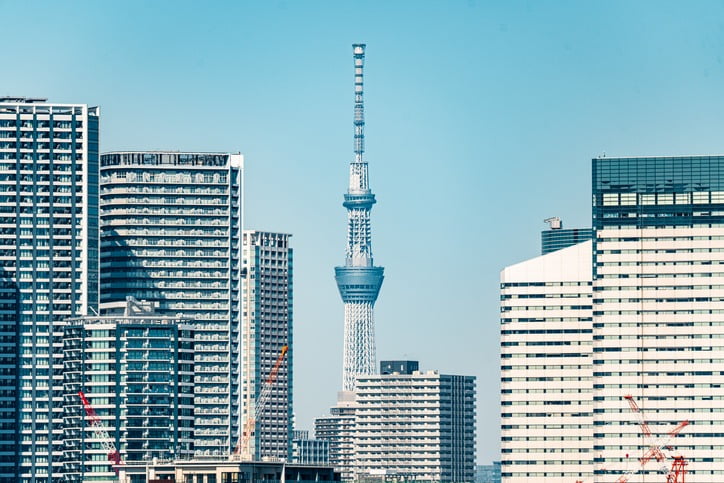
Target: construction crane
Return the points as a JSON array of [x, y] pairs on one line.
[[100, 433], [678, 469], [655, 447], [242, 449]]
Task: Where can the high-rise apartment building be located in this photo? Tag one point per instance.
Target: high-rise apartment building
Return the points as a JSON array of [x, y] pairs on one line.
[[171, 234], [49, 255], [136, 369], [658, 311], [417, 426], [266, 329], [547, 368]]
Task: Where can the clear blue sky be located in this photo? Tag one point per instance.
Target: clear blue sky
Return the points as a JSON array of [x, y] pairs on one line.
[[482, 118]]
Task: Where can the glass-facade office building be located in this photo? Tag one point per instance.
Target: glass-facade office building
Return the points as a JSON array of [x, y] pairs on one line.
[[49, 255], [137, 370], [658, 312], [556, 239], [171, 234]]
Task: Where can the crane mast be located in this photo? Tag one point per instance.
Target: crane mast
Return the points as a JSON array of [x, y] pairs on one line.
[[100, 433], [243, 450]]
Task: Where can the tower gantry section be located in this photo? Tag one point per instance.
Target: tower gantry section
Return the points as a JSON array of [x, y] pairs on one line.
[[359, 281]]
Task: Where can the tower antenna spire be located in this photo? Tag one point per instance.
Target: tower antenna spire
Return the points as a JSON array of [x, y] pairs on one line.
[[359, 281], [359, 102]]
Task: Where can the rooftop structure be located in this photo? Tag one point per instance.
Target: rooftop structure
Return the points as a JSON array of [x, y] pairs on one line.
[[399, 367], [359, 281], [557, 237]]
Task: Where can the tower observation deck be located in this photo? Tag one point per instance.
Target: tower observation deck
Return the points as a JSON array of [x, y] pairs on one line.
[[359, 281]]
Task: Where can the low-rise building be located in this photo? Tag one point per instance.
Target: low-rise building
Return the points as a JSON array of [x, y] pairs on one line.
[[223, 471], [339, 428], [309, 451]]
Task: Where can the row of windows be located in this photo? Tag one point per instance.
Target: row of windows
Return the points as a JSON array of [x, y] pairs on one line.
[[668, 251], [546, 319], [41, 124], [623, 288], [544, 296], [546, 307], [602, 238], [550, 367], [660, 275], [633, 199], [546, 331], [551, 379], [544, 284], [679, 263], [549, 415], [545, 343], [547, 426]]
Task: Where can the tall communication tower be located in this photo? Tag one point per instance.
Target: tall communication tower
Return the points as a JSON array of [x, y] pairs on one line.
[[359, 281]]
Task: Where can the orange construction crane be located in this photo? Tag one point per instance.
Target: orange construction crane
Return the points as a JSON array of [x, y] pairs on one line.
[[242, 449], [100, 433]]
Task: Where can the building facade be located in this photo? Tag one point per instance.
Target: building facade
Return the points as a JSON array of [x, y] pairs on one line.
[[547, 368], [171, 234], [49, 255], [137, 370], [415, 426], [658, 320], [266, 329]]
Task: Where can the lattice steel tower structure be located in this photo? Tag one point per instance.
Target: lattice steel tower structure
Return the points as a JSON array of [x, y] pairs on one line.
[[359, 281]]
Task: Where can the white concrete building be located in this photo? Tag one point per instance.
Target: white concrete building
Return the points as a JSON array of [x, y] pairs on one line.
[[415, 426], [546, 368], [657, 310]]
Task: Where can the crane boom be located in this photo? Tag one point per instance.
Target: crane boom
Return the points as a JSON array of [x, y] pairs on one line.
[[242, 447], [100, 433]]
